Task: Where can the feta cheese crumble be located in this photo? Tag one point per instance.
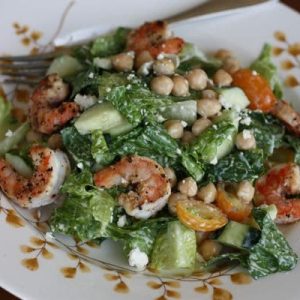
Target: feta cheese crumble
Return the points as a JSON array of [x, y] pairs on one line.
[[247, 134], [9, 133], [254, 73], [80, 165], [103, 63], [246, 121], [138, 259], [85, 101], [184, 124], [91, 75], [214, 161], [121, 221]]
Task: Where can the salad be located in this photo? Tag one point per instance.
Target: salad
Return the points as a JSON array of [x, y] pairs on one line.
[[187, 160]]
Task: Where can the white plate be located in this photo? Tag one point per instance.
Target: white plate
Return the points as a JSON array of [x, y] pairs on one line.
[[245, 34]]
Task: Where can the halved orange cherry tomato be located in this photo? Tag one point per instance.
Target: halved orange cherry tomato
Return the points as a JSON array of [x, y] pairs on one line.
[[200, 216], [256, 88], [234, 208]]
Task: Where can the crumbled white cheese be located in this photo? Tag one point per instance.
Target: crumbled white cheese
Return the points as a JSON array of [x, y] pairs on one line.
[[108, 89], [131, 53], [80, 165], [178, 151], [138, 259], [214, 126], [122, 221], [246, 121], [130, 76], [9, 133], [91, 75], [224, 103], [184, 124], [123, 181], [128, 87], [247, 134], [85, 101], [160, 56], [103, 63], [214, 161], [254, 73], [145, 68]]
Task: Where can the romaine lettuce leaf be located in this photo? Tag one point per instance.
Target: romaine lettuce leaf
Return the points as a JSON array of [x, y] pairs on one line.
[[110, 44], [99, 149], [266, 68], [192, 57], [238, 166], [268, 131], [86, 211], [136, 102], [271, 254]]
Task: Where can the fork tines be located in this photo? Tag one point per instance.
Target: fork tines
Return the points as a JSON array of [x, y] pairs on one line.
[[26, 69]]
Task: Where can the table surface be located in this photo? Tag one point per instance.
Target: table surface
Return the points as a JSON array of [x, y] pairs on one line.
[[4, 295]]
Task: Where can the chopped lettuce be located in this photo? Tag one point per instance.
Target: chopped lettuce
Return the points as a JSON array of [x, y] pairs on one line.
[[192, 57], [11, 141], [268, 131], [85, 82], [151, 141], [108, 81], [141, 234], [77, 145], [136, 102], [86, 211], [266, 68], [238, 166], [110, 44], [271, 254]]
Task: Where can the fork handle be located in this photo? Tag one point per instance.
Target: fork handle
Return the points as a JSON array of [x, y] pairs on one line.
[[215, 7]]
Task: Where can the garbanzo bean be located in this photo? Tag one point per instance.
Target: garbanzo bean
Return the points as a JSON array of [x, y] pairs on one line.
[[197, 79], [207, 193], [170, 173], [162, 85], [209, 249], [208, 107], [164, 66], [123, 62], [174, 128], [245, 140], [188, 186], [245, 191], [173, 200], [200, 125], [181, 86], [222, 78]]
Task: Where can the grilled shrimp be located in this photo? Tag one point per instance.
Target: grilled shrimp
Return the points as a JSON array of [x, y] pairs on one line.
[[48, 111], [150, 186], [286, 113], [278, 187], [154, 37], [42, 188]]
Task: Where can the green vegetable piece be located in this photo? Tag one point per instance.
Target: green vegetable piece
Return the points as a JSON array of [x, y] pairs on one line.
[[272, 253], [78, 146], [217, 140], [99, 149], [238, 166], [195, 169], [136, 102], [9, 142], [174, 251], [266, 68], [110, 44], [86, 212], [65, 65], [183, 110], [102, 117], [233, 234], [233, 98], [192, 57], [268, 131], [19, 165], [108, 81]]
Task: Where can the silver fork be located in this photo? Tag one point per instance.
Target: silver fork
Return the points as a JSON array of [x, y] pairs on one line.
[[28, 69]]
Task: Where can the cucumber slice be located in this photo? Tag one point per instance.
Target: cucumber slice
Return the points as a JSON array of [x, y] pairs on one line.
[[234, 98], [184, 111], [239, 235], [104, 117], [65, 65], [17, 136], [19, 165], [174, 251]]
